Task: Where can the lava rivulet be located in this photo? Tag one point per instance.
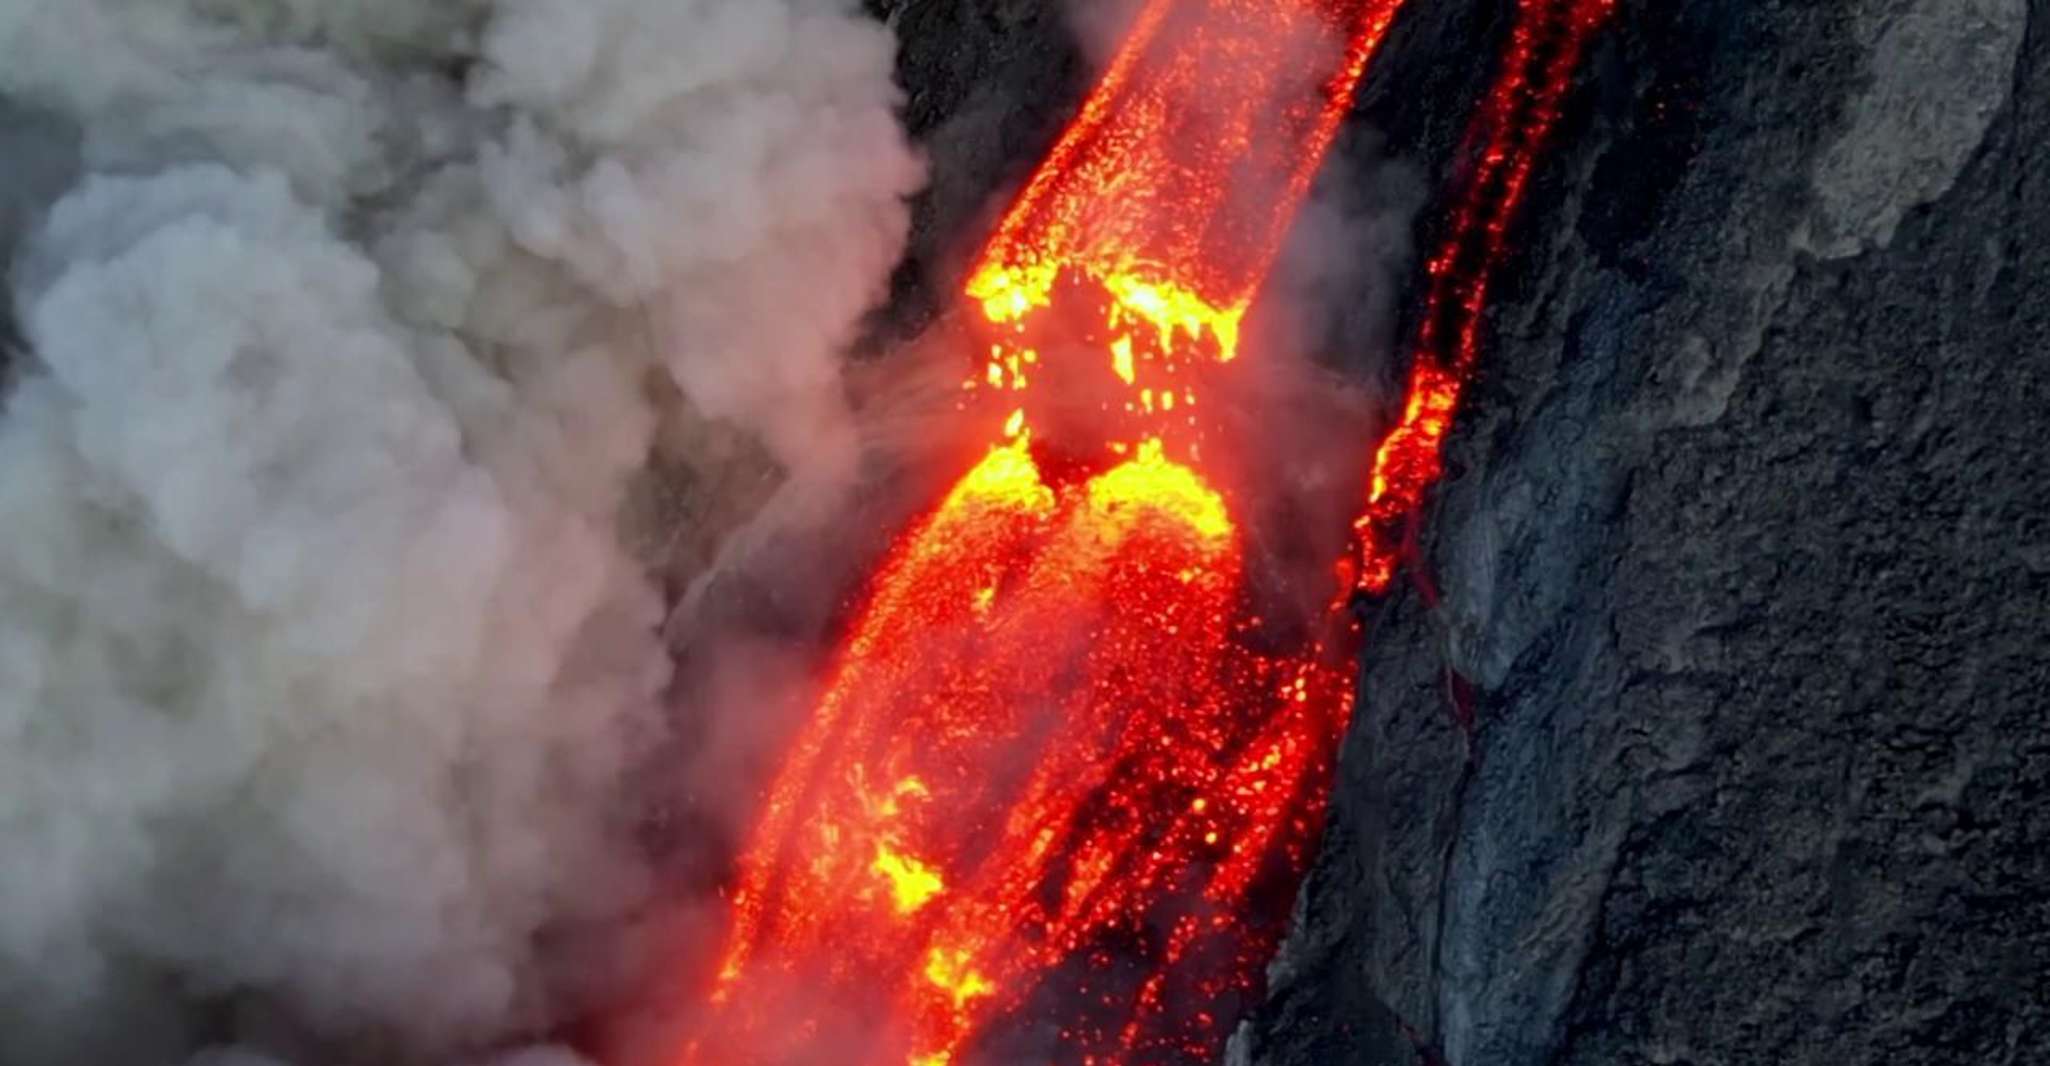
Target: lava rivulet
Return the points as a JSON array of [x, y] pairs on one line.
[[1064, 777], [1507, 136]]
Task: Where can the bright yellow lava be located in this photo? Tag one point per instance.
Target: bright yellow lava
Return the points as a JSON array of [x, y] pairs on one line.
[[1172, 309], [1158, 484], [1009, 294], [948, 970], [1007, 476], [913, 884]]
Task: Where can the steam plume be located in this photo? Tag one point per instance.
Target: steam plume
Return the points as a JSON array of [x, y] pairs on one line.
[[320, 655]]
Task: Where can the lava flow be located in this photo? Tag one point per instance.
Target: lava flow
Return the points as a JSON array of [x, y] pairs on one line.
[[1506, 138], [1065, 777]]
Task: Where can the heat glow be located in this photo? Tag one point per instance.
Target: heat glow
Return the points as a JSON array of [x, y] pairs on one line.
[[1063, 779], [1506, 139]]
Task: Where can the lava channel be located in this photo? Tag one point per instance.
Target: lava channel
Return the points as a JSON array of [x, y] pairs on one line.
[[1065, 778]]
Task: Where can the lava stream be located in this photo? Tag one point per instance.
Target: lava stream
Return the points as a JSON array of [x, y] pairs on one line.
[[1065, 778], [1506, 139]]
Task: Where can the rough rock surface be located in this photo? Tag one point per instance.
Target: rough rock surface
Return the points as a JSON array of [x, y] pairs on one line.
[[1746, 550], [1747, 557]]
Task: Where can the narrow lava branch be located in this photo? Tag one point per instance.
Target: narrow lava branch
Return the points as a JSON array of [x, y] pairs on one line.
[[1505, 141]]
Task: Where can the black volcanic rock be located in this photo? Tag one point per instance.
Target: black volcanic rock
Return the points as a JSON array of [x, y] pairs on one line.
[[1748, 560], [1746, 549]]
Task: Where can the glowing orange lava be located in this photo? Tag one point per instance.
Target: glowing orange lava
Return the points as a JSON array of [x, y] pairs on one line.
[[1127, 264], [1507, 137], [1064, 780]]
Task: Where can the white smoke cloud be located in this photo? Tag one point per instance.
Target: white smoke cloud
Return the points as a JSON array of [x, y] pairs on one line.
[[321, 659]]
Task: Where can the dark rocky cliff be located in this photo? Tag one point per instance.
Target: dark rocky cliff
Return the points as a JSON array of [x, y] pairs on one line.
[[1746, 552]]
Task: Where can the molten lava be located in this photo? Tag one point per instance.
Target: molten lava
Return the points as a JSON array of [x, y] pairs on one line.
[[1064, 778], [1508, 135]]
